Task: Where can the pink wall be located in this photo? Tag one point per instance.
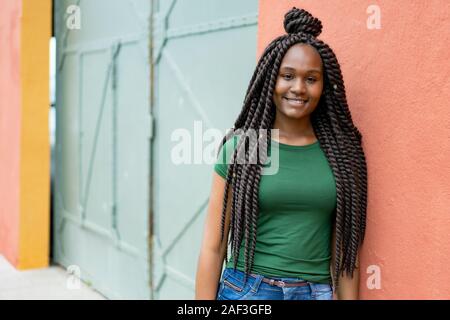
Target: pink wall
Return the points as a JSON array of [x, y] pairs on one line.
[[398, 90], [9, 128]]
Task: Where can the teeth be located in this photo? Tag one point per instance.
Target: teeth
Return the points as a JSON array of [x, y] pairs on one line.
[[297, 101]]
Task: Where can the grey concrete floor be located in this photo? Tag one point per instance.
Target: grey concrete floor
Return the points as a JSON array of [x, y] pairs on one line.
[[52, 283]]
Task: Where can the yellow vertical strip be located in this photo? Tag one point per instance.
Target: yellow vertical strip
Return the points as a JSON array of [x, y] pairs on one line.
[[34, 224]]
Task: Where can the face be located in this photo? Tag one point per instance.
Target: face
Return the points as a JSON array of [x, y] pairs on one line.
[[299, 83]]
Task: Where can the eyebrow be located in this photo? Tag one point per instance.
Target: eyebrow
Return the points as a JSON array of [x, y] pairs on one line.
[[310, 70]]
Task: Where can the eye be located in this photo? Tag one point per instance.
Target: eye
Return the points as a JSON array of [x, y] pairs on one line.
[[287, 76], [312, 80]]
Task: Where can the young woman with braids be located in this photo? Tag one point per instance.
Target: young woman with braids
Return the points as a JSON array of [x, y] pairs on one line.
[[295, 234]]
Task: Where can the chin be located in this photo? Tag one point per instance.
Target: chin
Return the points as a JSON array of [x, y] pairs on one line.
[[295, 115]]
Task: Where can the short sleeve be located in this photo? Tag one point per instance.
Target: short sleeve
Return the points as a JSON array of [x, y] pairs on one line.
[[224, 157]]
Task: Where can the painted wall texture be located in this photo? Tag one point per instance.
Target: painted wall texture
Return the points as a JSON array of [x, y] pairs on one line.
[[398, 89], [9, 128], [25, 30]]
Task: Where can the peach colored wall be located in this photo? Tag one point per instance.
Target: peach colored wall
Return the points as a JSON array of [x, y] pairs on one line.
[[398, 90], [25, 30], [9, 128]]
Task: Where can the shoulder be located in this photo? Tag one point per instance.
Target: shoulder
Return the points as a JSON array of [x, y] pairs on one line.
[[225, 155], [230, 144]]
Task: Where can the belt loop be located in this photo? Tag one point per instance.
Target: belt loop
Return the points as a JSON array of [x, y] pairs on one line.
[[257, 283], [313, 289]]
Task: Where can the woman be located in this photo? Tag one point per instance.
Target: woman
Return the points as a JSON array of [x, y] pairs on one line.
[[294, 234]]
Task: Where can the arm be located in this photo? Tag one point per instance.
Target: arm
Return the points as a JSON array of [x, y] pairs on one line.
[[348, 287], [212, 252]]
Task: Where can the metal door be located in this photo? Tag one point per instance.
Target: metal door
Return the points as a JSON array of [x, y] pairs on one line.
[[204, 55], [103, 135]]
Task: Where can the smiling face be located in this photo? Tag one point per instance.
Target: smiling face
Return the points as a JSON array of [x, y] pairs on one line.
[[300, 82]]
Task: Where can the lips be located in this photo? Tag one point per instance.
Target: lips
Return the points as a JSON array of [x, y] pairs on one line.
[[296, 101]]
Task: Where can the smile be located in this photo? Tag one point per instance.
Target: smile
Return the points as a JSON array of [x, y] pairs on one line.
[[296, 102]]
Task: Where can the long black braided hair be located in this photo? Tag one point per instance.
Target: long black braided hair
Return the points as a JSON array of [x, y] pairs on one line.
[[334, 128]]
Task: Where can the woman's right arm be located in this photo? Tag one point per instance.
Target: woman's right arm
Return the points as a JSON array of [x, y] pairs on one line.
[[212, 252]]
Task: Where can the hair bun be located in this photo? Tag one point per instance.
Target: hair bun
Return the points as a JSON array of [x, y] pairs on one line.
[[299, 20]]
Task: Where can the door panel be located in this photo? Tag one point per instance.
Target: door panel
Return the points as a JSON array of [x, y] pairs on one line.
[[204, 55], [102, 195]]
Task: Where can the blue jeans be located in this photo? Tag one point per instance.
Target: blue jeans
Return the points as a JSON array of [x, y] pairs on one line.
[[232, 287]]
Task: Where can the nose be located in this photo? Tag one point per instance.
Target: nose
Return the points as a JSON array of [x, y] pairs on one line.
[[298, 87]]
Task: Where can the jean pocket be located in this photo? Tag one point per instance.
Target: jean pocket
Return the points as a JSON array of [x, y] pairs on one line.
[[323, 292], [233, 289], [232, 286]]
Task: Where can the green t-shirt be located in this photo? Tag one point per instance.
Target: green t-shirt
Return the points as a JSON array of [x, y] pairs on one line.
[[296, 212]]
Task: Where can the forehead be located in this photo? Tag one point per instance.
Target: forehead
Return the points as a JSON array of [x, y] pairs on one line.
[[302, 56]]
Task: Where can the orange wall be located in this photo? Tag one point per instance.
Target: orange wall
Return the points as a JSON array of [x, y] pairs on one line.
[[398, 90], [25, 30], [34, 140], [9, 128]]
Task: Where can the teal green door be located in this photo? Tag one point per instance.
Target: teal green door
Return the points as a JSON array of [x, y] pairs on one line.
[[103, 136], [204, 55]]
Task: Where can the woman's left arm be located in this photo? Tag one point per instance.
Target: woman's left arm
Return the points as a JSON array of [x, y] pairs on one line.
[[348, 286]]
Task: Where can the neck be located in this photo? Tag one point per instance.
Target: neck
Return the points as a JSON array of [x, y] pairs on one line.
[[294, 128]]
